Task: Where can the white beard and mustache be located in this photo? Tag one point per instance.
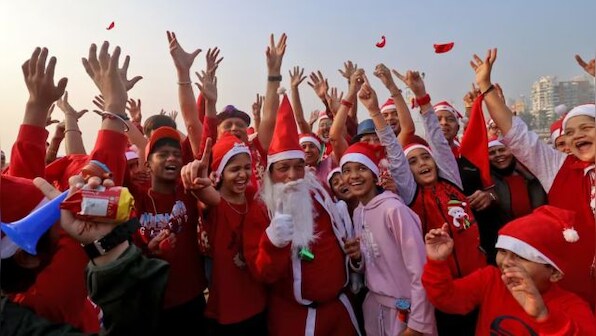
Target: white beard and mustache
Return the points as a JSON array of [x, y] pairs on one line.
[[293, 198]]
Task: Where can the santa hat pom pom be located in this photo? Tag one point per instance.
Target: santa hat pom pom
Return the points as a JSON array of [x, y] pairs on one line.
[[570, 235], [281, 90], [560, 110], [384, 163], [463, 204]]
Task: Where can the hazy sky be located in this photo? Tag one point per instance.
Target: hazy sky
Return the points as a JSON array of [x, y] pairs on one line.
[[534, 38]]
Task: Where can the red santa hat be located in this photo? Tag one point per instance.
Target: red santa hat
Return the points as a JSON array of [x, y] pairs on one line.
[[585, 110], [323, 115], [556, 130], [285, 144], [495, 141], [445, 106], [388, 106], [226, 147], [544, 236], [18, 197], [364, 153], [415, 142], [334, 171], [312, 138]]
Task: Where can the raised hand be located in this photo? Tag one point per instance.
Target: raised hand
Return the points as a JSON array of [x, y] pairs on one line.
[[49, 120], [356, 81], [471, 96], [296, 77], [128, 84], [590, 67], [368, 96], [382, 72], [483, 68], [134, 109], [349, 69], [173, 115], [319, 84], [68, 109], [524, 290], [314, 116], [104, 71], [256, 108], [195, 175], [334, 100], [39, 79], [182, 59], [414, 81], [208, 85], [439, 244], [275, 54], [213, 60]]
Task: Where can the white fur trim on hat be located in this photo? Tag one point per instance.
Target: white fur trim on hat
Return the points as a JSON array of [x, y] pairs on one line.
[[388, 107], [311, 139], [524, 250], [416, 146], [494, 143], [237, 149], [331, 173], [448, 108], [556, 134], [360, 158], [285, 155], [586, 110]]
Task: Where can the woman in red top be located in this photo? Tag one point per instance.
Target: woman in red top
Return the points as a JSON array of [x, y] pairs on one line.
[[236, 301]]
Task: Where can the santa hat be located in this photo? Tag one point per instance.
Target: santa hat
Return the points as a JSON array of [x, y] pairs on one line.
[[364, 153], [585, 110], [556, 130], [284, 144], [226, 147], [560, 110], [445, 106], [415, 142], [18, 197], [495, 141], [312, 138], [336, 170], [323, 115], [163, 132], [388, 106], [544, 236]]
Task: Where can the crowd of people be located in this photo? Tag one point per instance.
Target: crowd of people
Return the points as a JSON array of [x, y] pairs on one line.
[[271, 224]]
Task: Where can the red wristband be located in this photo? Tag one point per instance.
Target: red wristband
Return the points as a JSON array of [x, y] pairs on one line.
[[346, 103], [423, 101]]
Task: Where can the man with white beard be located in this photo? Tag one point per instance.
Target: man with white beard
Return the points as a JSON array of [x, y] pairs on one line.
[[293, 242]]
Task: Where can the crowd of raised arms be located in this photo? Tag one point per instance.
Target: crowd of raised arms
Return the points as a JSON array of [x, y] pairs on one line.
[[270, 223]]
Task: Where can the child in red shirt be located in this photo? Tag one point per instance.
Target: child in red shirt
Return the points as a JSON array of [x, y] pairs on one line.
[[521, 296]]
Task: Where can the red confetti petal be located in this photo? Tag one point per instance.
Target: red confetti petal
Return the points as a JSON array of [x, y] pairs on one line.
[[111, 26], [381, 43], [443, 48]]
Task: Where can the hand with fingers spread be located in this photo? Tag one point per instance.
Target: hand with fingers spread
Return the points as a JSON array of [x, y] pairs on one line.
[[414, 81], [281, 229], [128, 84], [182, 59], [49, 120], [39, 79], [314, 116], [256, 110], [384, 74], [349, 69], [296, 77], [524, 290], [589, 67], [213, 60], [439, 244], [103, 69], [208, 85], [483, 68], [275, 54], [352, 248], [195, 175], [334, 100], [319, 84], [134, 109], [356, 81], [173, 114], [68, 110]]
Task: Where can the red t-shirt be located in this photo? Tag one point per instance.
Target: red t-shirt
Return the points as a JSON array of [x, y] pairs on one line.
[[520, 199], [234, 294], [178, 213]]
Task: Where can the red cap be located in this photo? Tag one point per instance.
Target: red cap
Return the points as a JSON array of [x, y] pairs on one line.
[[164, 132], [284, 144], [388, 106], [226, 147], [364, 153]]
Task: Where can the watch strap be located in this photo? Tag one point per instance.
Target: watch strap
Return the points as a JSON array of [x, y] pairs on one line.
[[119, 234]]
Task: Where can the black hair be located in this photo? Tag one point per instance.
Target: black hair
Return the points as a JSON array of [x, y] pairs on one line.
[[165, 142], [156, 121]]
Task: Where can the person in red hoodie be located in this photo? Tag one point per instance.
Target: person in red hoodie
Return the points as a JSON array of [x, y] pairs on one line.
[[568, 179], [521, 295]]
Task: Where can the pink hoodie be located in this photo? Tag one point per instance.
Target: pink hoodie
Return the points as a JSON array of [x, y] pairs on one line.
[[393, 254]]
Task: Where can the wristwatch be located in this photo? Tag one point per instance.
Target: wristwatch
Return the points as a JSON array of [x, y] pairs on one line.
[[119, 234]]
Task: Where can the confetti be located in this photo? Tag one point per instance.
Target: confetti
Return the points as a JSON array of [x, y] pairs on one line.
[[111, 26], [381, 43], [443, 48]]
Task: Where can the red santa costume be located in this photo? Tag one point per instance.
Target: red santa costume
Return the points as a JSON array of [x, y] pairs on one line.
[[306, 269], [569, 183]]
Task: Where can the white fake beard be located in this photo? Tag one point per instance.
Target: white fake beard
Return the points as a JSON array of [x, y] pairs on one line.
[[296, 201]]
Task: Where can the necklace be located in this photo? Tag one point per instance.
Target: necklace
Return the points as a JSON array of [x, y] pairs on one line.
[[233, 208]]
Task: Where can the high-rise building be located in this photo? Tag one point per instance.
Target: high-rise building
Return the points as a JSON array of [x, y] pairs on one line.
[[544, 96], [577, 91], [548, 92]]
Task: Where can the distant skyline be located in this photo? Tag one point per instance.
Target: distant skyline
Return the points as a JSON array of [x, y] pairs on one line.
[[535, 38]]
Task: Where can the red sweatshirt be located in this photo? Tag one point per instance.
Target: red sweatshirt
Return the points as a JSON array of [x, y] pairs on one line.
[[28, 155], [500, 313]]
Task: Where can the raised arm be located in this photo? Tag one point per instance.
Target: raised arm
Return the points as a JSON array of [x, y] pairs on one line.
[[275, 54], [256, 110], [72, 133], [337, 133], [186, 97], [296, 78], [349, 69]]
